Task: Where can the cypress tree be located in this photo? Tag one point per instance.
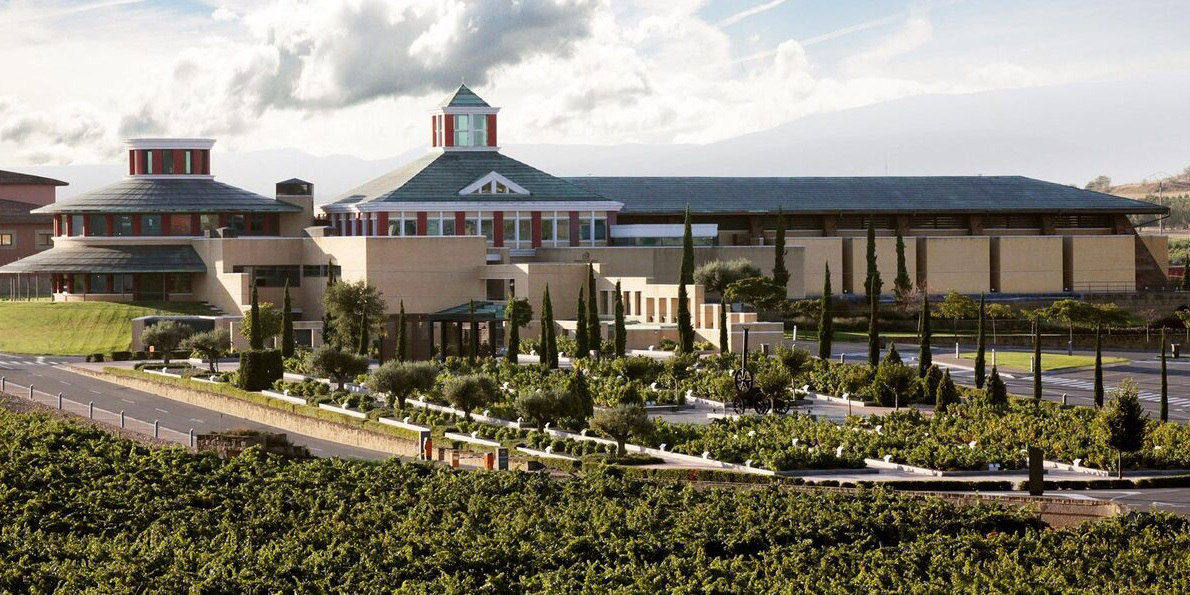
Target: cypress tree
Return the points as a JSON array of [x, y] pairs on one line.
[[997, 393], [873, 273], [892, 358], [1164, 382], [287, 340], [685, 327], [724, 345], [255, 338], [581, 350], [981, 348], [1037, 358], [473, 344], [947, 393], [874, 331], [402, 338], [549, 339], [902, 283], [621, 328], [780, 273], [826, 319], [362, 349], [1186, 274], [1099, 365], [925, 357], [328, 323], [594, 333]]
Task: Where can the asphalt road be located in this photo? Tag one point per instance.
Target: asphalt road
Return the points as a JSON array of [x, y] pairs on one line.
[[44, 376], [1078, 385]]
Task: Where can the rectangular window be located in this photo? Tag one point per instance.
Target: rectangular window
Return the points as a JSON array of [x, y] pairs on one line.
[[509, 229], [150, 225], [600, 230], [45, 239], [122, 283], [432, 226], [167, 161], [448, 226], [236, 222], [255, 224], [524, 224], [76, 225], [394, 227], [5, 239], [99, 284], [189, 162], [208, 223], [319, 270], [584, 230], [179, 225], [563, 229], [485, 227], [148, 162], [479, 132], [462, 130], [97, 225], [410, 227], [547, 230], [177, 283], [80, 283], [469, 227], [123, 226]]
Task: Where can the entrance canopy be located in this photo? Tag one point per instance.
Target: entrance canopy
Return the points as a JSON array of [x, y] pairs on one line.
[[484, 312], [111, 259]]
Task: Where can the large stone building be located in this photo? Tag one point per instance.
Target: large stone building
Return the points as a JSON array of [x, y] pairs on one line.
[[23, 233], [466, 222]]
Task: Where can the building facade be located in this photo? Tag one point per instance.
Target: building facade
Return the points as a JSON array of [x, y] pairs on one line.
[[23, 233], [466, 222]]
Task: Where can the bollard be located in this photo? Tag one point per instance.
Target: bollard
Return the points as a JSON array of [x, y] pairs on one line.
[[1070, 348], [156, 429], [1036, 472], [956, 349], [795, 332], [3, 381], [91, 409], [1063, 399], [121, 419], [191, 437], [59, 397], [30, 392], [489, 461]]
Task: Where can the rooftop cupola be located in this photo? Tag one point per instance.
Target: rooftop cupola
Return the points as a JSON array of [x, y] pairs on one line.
[[464, 122], [169, 158]]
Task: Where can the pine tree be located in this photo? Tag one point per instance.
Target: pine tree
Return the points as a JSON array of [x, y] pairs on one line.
[[402, 337], [1099, 365], [255, 337], [1164, 382], [686, 276], [925, 357], [549, 338], [981, 347], [594, 332], [780, 273], [581, 350], [364, 339], [892, 358], [902, 284], [1037, 358], [621, 329], [287, 339], [826, 320]]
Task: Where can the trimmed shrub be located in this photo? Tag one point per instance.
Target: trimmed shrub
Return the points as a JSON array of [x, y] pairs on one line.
[[121, 356], [259, 368]]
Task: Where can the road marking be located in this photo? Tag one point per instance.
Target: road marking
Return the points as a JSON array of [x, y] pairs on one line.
[[161, 410], [66, 383], [127, 401], [94, 391], [196, 420]]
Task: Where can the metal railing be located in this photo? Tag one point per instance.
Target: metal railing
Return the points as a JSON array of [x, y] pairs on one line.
[[113, 418]]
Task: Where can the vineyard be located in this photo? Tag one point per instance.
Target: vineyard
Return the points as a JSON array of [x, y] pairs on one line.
[[81, 510]]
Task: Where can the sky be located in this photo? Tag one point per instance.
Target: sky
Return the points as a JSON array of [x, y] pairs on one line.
[[356, 77]]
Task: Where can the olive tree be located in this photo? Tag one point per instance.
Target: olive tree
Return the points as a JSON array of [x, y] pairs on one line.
[[622, 423], [337, 365], [165, 337], [401, 380], [209, 346], [543, 406], [470, 392]]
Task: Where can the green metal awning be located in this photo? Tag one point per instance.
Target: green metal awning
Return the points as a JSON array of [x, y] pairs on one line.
[[484, 311], [110, 259]]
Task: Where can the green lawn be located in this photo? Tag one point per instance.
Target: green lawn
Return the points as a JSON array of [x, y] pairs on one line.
[[77, 328], [1019, 360]]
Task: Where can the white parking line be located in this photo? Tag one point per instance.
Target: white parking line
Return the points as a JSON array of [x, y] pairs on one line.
[[127, 401], [161, 410]]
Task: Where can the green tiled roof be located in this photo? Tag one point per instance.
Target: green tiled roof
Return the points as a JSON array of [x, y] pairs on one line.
[[859, 195], [135, 195], [464, 97], [438, 177], [110, 259]]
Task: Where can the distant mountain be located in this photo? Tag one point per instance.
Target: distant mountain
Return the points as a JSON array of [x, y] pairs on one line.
[[1067, 134]]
